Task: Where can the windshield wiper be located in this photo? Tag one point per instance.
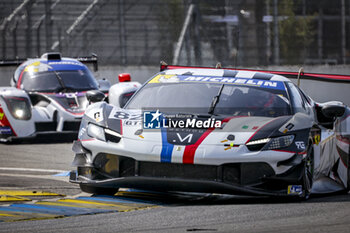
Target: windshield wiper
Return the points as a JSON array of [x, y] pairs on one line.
[[215, 100], [60, 80]]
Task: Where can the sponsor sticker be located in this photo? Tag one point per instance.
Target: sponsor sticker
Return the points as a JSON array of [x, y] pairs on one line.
[[288, 127], [295, 189], [317, 139], [230, 146], [5, 130], [96, 115], [277, 85], [132, 123], [119, 114], [74, 63], [300, 145], [37, 66], [81, 132]]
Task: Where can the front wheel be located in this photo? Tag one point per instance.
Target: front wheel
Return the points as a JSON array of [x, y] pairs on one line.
[[307, 178]]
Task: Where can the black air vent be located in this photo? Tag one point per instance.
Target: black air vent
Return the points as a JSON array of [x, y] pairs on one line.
[[51, 56]]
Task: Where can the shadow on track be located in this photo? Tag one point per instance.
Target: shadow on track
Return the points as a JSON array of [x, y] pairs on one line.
[[193, 199], [45, 138]]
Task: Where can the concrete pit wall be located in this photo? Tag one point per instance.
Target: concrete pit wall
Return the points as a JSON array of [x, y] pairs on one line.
[[320, 91]]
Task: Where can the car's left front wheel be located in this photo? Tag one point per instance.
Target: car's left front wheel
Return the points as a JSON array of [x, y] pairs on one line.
[[308, 172], [98, 190]]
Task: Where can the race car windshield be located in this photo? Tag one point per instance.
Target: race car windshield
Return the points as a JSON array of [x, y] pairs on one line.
[[197, 98], [56, 81]]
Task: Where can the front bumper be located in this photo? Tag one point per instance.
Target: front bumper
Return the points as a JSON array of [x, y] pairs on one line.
[[113, 171]]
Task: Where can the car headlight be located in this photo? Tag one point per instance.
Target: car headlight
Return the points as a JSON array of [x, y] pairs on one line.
[[102, 133], [96, 131], [270, 143], [19, 107], [280, 142]]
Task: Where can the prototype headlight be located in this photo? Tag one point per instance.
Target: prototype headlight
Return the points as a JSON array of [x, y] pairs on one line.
[[19, 107], [102, 133], [270, 143]]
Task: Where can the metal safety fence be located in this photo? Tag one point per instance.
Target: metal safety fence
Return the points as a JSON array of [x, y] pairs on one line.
[[186, 32]]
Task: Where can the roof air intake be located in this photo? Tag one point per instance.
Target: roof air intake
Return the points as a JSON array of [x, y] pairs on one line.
[[51, 56]]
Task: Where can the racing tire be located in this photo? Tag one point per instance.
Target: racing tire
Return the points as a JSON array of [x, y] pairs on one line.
[[98, 190], [308, 172]]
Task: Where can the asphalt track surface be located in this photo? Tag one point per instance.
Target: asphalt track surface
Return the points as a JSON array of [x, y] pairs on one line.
[[42, 167]]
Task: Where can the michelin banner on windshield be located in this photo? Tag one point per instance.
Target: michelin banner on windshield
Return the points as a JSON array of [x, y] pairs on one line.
[[171, 78]]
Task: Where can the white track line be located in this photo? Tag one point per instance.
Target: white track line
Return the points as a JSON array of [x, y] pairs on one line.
[[30, 169], [47, 177]]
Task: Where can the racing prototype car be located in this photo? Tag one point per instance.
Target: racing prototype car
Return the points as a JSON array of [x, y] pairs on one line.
[[47, 95], [218, 131]]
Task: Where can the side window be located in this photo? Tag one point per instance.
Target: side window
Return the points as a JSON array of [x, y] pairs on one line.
[[305, 97], [298, 102]]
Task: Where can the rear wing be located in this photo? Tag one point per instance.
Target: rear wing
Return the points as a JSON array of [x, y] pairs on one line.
[[93, 59], [290, 75]]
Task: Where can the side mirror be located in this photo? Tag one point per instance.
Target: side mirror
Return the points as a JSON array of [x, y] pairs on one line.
[[333, 109], [104, 85], [94, 96], [120, 93]]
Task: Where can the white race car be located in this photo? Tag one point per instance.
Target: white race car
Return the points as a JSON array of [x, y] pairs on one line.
[[47, 95], [217, 131]]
